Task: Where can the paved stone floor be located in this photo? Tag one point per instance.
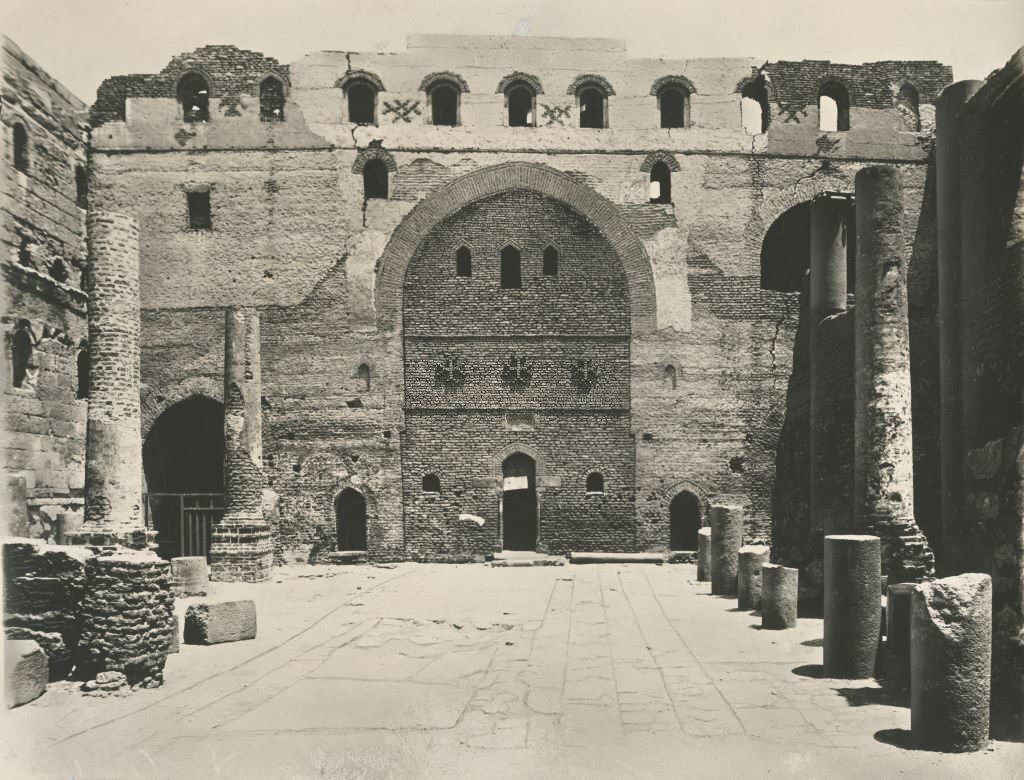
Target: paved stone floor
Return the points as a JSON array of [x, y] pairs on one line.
[[473, 671]]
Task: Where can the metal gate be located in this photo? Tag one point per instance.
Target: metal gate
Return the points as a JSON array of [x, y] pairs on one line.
[[183, 521]]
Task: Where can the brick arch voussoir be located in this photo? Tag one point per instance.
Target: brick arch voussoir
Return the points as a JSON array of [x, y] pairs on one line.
[[485, 182], [156, 401], [512, 449], [774, 206]]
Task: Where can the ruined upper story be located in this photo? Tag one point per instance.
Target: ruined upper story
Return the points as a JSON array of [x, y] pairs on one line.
[[453, 93]]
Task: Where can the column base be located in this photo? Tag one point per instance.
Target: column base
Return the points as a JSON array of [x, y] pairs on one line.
[[241, 551]]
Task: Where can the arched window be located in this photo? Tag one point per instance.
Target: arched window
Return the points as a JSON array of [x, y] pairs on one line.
[[363, 372], [670, 375], [551, 261], [463, 261], [661, 183], [20, 147], [511, 270], [194, 96], [674, 106], [755, 112], [81, 187], [362, 102], [431, 483], [521, 98], [595, 482], [833, 108], [271, 100], [444, 104], [593, 104], [375, 180], [908, 106], [82, 383], [21, 352]]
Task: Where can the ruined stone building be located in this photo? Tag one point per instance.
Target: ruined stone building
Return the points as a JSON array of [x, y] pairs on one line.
[[523, 293]]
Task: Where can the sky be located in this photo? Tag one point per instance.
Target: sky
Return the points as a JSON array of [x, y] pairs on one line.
[[80, 42]]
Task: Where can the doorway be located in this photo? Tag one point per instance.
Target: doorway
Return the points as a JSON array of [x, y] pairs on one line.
[[684, 521], [350, 515], [519, 502]]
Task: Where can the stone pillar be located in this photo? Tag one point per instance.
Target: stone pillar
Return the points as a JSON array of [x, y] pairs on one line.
[[853, 605], [947, 185], [748, 581], [726, 538], [704, 554], [779, 593], [897, 629], [950, 662], [113, 448], [827, 296], [240, 548], [883, 468]]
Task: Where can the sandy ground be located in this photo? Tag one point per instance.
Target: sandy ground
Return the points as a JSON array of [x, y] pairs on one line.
[[472, 671]]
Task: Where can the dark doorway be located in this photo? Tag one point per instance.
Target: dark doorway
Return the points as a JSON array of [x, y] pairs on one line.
[[350, 515], [684, 521], [519, 502]]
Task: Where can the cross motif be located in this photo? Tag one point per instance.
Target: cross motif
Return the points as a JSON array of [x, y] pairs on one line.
[[402, 109], [555, 114], [450, 372], [791, 110], [517, 372], [183, 136], [826, 144], [584, 375]]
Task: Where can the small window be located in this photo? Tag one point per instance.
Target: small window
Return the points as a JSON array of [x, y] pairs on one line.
[[595, 483], [444, 104], [592, 108], [755, 112], [908, 106], [463, 261], [520, 99], [674, 106], [21, 353], [511, 270], [20, 147], [431, 483], [199, 211], [833, 108], [362, 103], [81, 187], [194, 96], [551, 261], [271, 100], [670, 376], [375, 180], [661, 183], [363, 372], [25, 251], [82, 383]]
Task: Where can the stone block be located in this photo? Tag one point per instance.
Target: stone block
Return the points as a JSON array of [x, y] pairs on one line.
[[190, 576], [26, 671], [748, 580], [704, 554], [726, 538], [853, 608], [779, 590], [226, 621]]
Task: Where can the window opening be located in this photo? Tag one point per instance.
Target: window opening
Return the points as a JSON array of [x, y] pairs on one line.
[[431, 483], [362, 103], [551, 261], [82, 383], [364, 375], [463, 261], [592, 101], [595, 482], [21, 353], [833, 108], [908, 106], [661, 183], [375, 180], [271, 100], [444, 105], [755, 113], [20, 147], [199, 217], [81, 187], [520, 106], [511, 270], [194, 96], [674, 105]]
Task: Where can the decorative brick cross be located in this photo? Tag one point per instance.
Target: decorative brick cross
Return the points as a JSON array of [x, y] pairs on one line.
[[402, 109], [517, 372], [792, 111], [583, 375], [555, 114], [450, 372]]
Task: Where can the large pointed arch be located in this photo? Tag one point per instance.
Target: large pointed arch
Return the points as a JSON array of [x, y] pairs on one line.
[[595, 208]]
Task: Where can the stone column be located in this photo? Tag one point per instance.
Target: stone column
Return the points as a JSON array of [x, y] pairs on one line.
[[948, 109], [779, 596], [113, 447], [704, 554], [748, 581], [726, 538], [827, 294], [240, 548], [951, 662], [883, 468], [853, 605]]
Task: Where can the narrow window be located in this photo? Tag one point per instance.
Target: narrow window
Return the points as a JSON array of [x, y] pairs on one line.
[[362, 103], [511, 271], [551, 261], [21, 353], [81, 187], [755, 113], [364, 375], [444, 105], [833, 108], [592, 112], [463, 261], [25, 251], [20, 147], [194, 96], [908, 106], [595, 482], [199, 210], [674, 105], [661, 183], [375, 180], [431, 483], [82, 385], [520, 105], [670, 375], [271, 100]]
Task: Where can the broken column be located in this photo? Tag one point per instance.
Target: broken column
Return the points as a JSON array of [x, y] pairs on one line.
[[950, 662], [240, 547], [748, 580], [779, 592], [853, 605], [704, 554], [726, 538], [883, 478]]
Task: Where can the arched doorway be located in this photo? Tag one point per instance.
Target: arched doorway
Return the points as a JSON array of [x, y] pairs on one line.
[[183, 459], [350, 517], [684, 521], [519, 502]]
